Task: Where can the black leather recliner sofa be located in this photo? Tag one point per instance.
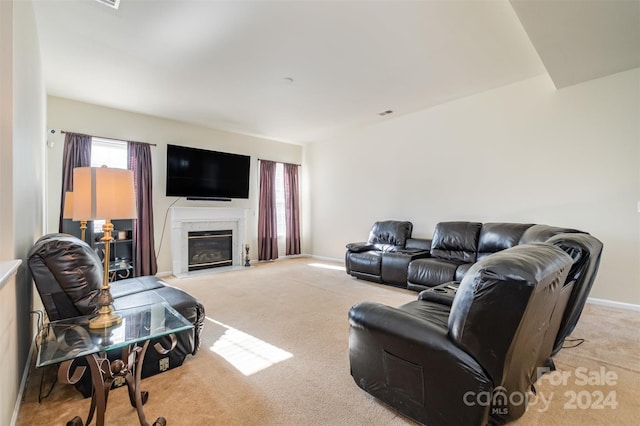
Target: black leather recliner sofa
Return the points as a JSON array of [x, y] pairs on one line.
[[470, 362], [385, 256], [68, 275], [455, 247]]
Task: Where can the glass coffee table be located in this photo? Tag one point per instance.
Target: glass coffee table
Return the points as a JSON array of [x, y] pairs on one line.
[[65, 340]]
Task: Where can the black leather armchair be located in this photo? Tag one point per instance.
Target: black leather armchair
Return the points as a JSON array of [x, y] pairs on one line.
[[68, 275], [470, 363]]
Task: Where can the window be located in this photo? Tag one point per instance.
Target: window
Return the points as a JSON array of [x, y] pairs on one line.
[[110, 153]]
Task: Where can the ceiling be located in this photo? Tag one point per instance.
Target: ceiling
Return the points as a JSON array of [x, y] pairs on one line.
[[301, 71]]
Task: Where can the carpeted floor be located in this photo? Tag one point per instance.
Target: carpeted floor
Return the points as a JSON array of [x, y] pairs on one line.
[[275, 352]]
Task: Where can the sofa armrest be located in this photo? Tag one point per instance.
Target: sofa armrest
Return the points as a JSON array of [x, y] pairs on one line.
[[388, 345], [360, 247], [413, 253]]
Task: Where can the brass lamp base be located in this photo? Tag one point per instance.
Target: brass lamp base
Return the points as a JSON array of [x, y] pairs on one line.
[[106, 318]]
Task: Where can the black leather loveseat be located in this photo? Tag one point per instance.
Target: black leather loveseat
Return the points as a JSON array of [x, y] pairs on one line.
[[470, 362], [68, 275], [455, 247]]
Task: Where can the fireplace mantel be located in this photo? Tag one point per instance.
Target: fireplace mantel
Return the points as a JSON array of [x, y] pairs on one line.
[[185, 219]]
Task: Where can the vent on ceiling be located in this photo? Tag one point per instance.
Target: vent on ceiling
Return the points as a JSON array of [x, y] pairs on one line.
[[111, 3]]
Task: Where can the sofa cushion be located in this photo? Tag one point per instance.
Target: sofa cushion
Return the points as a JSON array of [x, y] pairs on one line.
[[431, 272], [390, 232], [541, 233], [495, 237], [456, 241], [367, 262], [436, 314], [462, 271]]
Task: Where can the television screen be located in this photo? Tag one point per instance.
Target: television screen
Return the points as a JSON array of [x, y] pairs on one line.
[[200, 173]]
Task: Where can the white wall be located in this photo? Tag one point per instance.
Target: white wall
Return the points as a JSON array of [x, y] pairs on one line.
[[65, 114], [22, 124], [8, 327], [6, 128], [521, 153]]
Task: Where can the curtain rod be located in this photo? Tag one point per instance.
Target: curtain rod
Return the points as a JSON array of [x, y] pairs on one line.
[[264, 159], [104, 137]]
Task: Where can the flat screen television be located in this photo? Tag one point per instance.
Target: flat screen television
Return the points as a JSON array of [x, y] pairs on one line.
[[203, 174]]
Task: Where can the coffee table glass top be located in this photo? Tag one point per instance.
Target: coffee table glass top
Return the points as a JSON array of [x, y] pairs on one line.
[[72, 338]]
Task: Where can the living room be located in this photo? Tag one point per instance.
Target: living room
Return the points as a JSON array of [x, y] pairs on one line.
[[525, 151]]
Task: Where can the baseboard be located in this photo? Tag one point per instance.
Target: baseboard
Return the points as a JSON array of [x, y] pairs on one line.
[[23, 385], [327, 259], [293, 256], [613, 304], [311, 256]]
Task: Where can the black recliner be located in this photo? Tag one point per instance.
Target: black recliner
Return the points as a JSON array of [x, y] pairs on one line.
[[68, 276], [473, 362]]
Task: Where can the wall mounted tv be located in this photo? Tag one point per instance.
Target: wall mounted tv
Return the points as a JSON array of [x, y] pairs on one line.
[[202, 174]]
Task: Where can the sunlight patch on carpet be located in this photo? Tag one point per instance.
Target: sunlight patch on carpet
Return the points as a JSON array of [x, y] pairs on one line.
[[246, 353], [325, 266]]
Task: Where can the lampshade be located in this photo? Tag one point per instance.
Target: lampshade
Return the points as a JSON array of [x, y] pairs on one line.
[[68, 205], [103, 193]]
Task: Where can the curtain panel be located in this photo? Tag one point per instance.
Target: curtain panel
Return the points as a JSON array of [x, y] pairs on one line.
[[139, 162], [267, 225], [76, 153], [292, 210]]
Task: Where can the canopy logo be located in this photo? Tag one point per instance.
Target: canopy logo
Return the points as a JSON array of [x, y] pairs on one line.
[[597, 397]]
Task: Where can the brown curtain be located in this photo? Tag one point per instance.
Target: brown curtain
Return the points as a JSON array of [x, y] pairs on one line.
[[144, 256], [267, 225], [76, 153], [292, 211]]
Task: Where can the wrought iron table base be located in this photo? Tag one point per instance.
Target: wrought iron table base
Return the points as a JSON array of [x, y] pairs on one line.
[[103, 374]]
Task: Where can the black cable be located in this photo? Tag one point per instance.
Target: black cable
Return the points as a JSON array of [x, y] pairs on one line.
[[53, 384], [39, 336], [580, 341]]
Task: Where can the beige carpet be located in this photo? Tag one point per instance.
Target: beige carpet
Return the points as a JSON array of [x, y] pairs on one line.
[[275, 352]]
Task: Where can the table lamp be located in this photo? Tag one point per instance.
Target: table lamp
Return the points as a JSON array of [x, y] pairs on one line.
[[68, 213], [102, 193]]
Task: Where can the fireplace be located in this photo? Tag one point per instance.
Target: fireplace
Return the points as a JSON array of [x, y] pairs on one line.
[[210, 249], [187, 220]]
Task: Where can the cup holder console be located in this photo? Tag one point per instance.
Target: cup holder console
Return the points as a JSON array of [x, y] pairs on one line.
[[443, 293], [448, 288]]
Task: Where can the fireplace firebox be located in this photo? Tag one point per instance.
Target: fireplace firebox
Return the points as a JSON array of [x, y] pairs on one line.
[[210, 249]]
